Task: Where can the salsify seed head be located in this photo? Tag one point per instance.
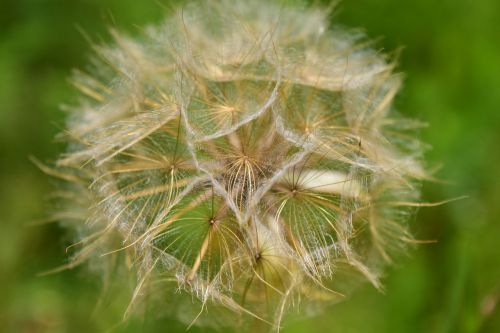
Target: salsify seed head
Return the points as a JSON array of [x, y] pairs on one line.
[[241, 157]]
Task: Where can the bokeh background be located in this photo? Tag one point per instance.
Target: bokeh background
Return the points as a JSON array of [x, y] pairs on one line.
[[451, 57]]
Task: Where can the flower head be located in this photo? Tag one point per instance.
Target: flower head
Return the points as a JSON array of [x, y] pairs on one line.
[[242, 153]]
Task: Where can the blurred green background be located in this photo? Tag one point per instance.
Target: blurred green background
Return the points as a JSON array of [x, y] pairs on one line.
[[451, 58]]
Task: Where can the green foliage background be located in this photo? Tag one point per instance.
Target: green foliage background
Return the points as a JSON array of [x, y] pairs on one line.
[[451, 58]]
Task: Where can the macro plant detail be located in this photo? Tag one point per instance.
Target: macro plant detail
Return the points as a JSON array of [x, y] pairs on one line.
[[242, 154]]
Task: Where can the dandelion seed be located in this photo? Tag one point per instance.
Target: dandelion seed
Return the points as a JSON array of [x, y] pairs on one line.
[[243, 154]]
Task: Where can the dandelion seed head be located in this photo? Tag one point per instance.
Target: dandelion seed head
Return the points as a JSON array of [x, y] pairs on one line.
[[243, 155]]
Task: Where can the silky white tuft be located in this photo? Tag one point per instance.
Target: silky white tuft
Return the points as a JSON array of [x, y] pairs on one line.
[[244, 154]]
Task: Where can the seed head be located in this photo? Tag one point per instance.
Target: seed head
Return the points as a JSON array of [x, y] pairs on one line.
[[243, 155]]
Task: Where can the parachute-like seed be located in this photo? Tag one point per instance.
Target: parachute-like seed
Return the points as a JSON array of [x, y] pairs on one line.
[[244, 154]]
